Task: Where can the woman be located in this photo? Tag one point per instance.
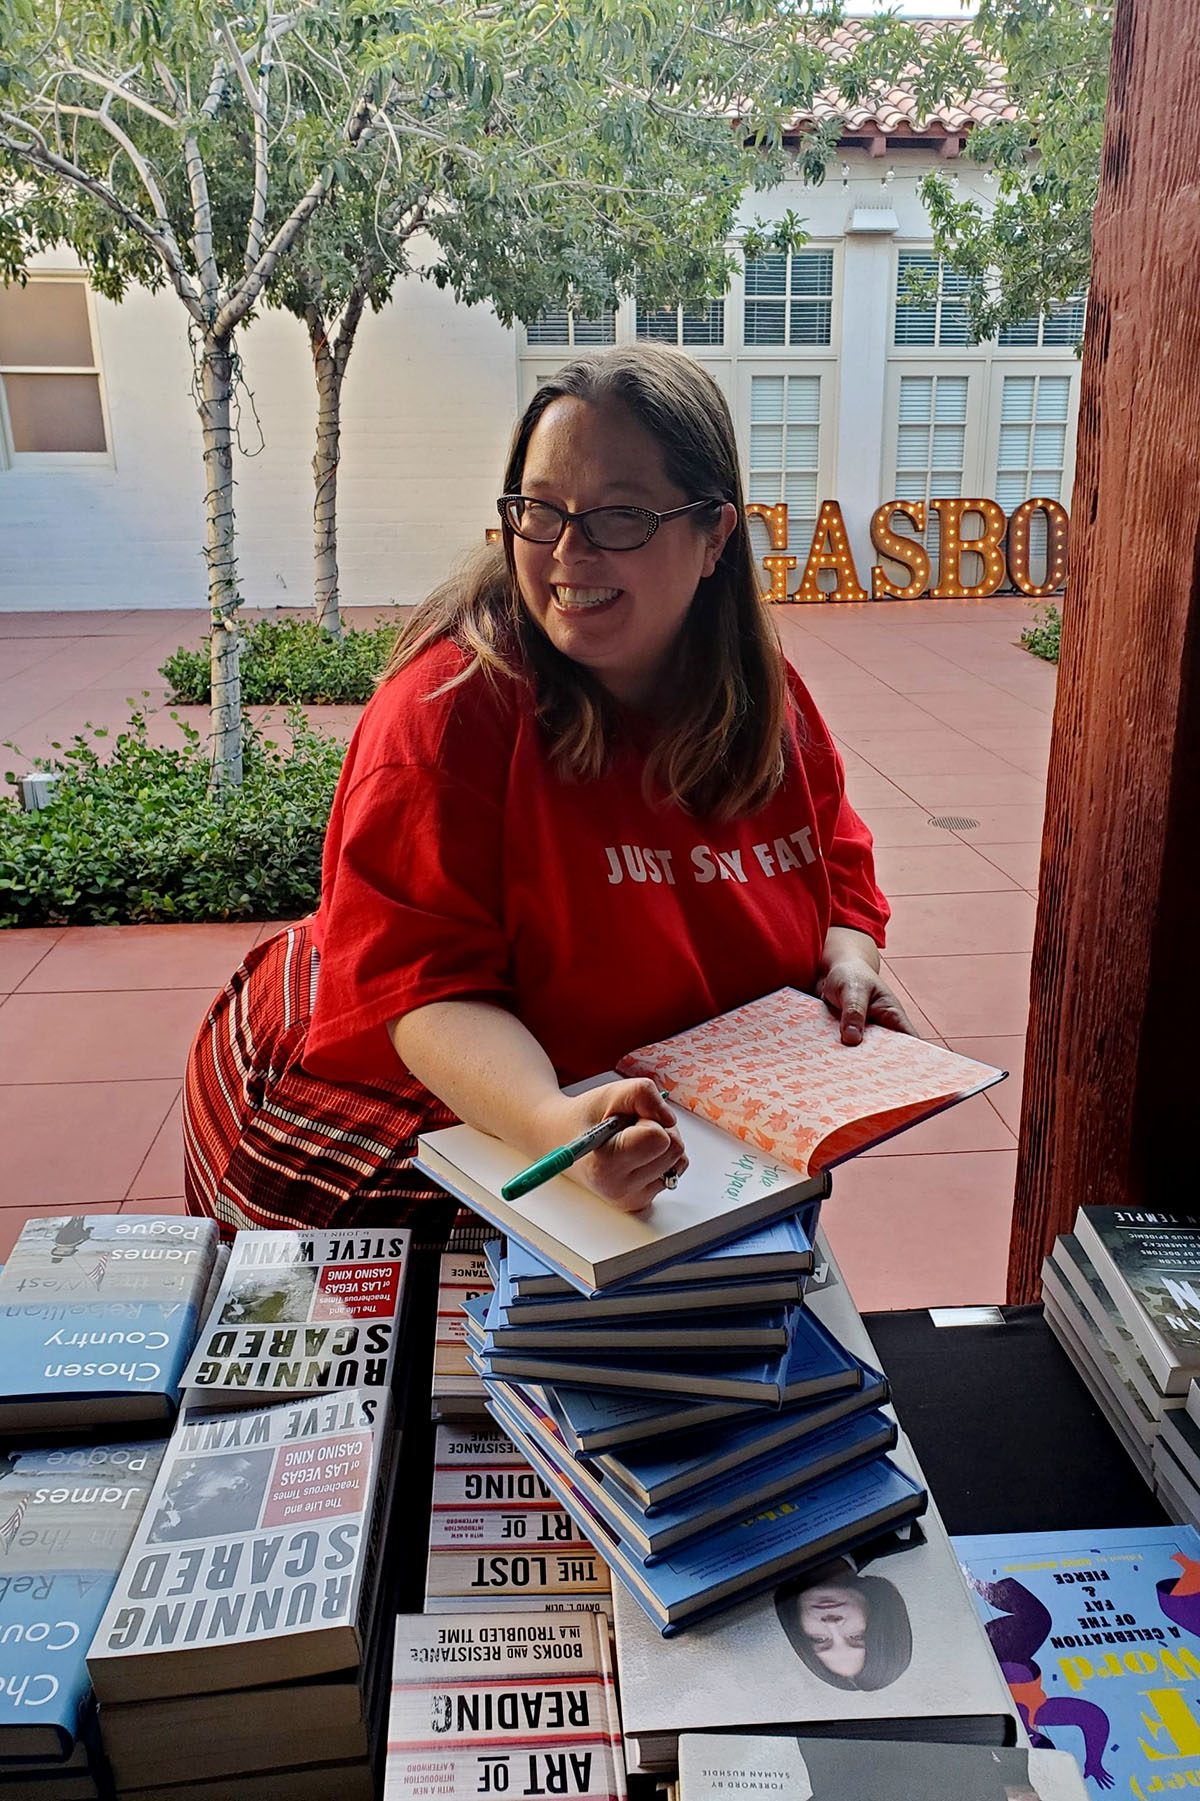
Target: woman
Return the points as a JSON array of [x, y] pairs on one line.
[[852, 1631], [588, 807]]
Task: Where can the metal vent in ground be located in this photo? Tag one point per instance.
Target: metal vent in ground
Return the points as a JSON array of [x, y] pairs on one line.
[[954, 822]]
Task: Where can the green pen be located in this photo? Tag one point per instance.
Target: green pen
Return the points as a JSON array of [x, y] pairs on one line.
[[555, 1162]]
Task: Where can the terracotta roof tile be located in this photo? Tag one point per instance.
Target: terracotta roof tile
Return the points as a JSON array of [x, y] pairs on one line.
[[894, 110]]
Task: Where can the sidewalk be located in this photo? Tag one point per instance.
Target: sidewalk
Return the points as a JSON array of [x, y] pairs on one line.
[[940, 715]]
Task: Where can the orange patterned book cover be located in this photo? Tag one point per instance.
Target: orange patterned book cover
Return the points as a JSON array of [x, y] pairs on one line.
[[776, 1074]]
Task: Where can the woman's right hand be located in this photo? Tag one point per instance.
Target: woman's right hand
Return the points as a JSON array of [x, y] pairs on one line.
[[628, 1171]]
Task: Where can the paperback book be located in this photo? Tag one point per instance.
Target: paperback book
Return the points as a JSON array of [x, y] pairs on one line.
[[67, 1518], [1097, 1634], [503, 1703], [98, 1313], [1151, 1264], [1073, 1268], [457, 1392], [499, 1538], [300, 1312], [768, 1099], [874, 1641], [718, 1767], [254, 1562]]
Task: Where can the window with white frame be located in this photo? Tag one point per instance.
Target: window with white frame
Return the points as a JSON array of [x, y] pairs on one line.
[[1032, 453], [785, 450], [686, 326], [1059, 329], [49, 377], [931, 443], [789, 298], [938, 317], [561, 326]]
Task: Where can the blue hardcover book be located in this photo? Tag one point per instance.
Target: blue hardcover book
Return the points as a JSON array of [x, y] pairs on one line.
[[754, 1485], [595, 1419], [814, 1364], [785, 1247], [678, 1299], [97, 1317], [67, 1517], [654, 1475], [1098, 1636], [706, 1335], [750, 1554]]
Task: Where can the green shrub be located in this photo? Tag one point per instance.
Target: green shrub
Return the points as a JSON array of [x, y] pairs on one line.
[[1043, 638], [289, 661], [139, 837]]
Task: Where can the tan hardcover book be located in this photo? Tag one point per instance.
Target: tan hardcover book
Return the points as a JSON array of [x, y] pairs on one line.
[[457, 1392]]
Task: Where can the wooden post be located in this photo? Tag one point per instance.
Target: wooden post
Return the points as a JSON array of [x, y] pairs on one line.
[[1112, 1095]]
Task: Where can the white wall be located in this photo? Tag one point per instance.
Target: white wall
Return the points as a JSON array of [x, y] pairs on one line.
[[428, 405]]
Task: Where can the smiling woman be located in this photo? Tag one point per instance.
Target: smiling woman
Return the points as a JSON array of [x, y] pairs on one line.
[[547, 842]]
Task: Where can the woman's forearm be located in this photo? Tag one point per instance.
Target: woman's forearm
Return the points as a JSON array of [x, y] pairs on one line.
[[844, 941], [488, 1069]]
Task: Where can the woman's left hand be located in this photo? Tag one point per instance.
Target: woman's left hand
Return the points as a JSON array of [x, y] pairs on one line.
[[858, 995]]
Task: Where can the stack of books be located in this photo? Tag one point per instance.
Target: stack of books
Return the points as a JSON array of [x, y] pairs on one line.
[[457, 1392], [1122, 1295], [688, 1321], [67, 1516], [243, 1650], [498, 1538], [878, 1640], [503, 1703], [98, 1314]]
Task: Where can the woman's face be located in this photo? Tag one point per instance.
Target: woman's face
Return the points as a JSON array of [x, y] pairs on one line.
[[615, 612], [835, 1619]]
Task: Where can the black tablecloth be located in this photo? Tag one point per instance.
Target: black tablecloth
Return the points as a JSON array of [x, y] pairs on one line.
[[1009, 1438]]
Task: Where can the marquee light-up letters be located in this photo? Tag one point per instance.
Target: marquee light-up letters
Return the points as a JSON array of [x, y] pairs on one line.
[[777, 567], [830, 550], [906, 551], [951, 545], [1057, 528]]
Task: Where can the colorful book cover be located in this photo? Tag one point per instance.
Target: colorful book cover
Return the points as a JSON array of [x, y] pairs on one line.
[[776, 1074], [67, 1517], [298, 1312], [499, 1538], [255, 1559], [502, 1704], [1098, 1636], [97, 1316]]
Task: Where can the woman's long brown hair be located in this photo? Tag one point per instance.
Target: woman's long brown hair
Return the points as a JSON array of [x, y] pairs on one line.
[[718, 750]]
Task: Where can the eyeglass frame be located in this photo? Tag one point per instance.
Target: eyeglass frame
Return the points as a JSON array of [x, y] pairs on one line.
[[653, 519]]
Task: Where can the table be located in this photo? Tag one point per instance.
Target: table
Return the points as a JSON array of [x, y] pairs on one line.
[[1009, 1438]]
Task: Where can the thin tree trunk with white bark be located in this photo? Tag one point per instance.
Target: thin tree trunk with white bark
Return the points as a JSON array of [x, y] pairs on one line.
[[216, 386]]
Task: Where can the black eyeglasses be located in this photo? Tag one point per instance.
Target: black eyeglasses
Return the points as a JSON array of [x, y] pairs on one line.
[[608, 528]]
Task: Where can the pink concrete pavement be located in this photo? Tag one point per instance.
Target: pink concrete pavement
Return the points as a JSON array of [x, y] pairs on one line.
[[940, 715]]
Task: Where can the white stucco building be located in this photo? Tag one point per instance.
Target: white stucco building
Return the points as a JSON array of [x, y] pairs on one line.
[[838, 391]]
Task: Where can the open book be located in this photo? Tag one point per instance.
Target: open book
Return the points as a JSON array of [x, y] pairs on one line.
[[767, 1098]]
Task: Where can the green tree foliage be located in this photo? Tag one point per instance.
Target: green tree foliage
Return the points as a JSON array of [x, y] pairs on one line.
[[546, 150], [1029, 247]]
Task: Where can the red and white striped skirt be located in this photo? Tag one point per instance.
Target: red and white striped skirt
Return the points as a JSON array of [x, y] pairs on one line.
[[268, 1145]]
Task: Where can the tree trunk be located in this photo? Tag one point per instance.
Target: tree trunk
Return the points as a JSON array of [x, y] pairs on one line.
[[216, 384], [328, 370], [1109, 1110]]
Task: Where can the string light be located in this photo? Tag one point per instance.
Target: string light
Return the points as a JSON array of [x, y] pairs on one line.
[[952, 544], [830, 550], [899, 549], [1057, 538]]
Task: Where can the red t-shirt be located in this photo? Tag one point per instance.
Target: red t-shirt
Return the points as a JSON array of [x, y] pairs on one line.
[[458, 865]]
